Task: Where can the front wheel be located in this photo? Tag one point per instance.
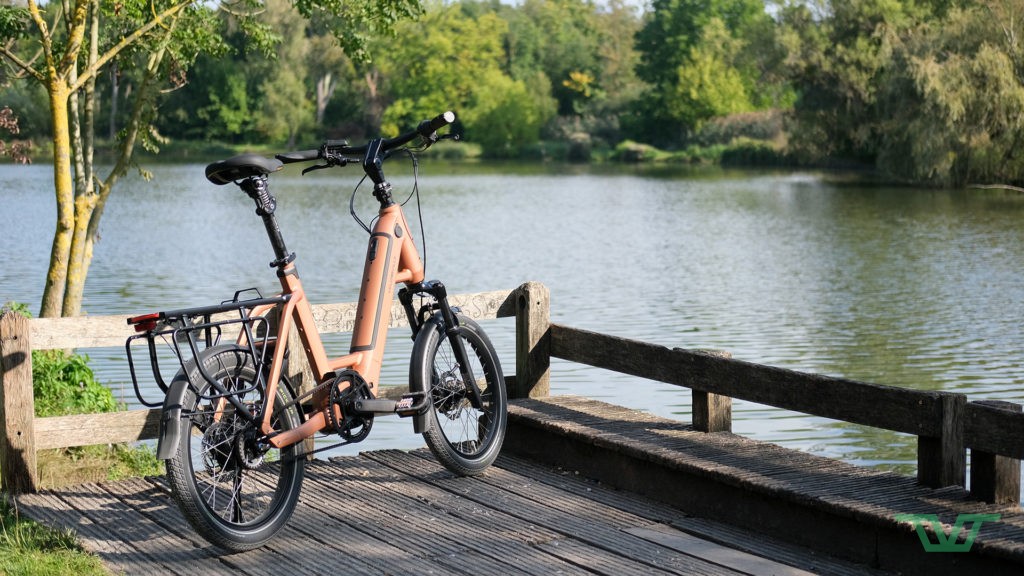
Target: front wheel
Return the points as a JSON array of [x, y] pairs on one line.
[[234, 489], [465, 438]]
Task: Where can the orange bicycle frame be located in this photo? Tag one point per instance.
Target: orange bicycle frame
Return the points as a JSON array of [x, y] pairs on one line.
[[391, 259]]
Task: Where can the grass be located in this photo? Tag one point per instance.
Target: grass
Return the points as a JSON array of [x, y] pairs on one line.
[[29, 548]]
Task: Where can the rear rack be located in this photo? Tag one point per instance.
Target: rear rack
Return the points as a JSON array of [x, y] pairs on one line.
[[198, 328]]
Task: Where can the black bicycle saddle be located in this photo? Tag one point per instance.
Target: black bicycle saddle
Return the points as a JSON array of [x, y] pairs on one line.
[[241, 167]]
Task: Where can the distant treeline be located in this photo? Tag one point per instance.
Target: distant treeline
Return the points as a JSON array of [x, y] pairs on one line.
[[925, 91]]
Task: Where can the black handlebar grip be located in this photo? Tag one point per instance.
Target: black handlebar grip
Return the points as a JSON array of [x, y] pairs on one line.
[[300, 156], [428, 127]]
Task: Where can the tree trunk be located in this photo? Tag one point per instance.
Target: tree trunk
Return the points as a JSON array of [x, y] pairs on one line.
[[375, 104], [85, 189], [114, 89], [324, 90], [60, 251]]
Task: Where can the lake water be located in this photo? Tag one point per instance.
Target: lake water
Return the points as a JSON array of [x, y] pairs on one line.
[[910, 287]]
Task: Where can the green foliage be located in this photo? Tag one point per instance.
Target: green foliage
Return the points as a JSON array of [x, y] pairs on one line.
[[956, 89], [765, 125], [64, 384], [13, 21], [16, 307], [354, 23], [702, 59], [462, 73], [503, 117], [133, 462], [629, 151], [926, 91], [709, 85], [750, 152]]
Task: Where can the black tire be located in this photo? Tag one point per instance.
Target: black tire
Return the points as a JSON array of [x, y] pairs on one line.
[[464, 439], [234, 496]]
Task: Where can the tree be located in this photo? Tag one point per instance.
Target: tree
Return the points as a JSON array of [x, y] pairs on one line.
[[955, 88], [928, 92], [70, 60], [451, 60], [689, 66], [838, 56], [708, 84], [287, 109], [76, 40]]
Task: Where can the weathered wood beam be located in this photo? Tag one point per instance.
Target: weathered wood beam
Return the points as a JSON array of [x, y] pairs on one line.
[[101, 331], [899, 409], [17, 407], [994, 427]]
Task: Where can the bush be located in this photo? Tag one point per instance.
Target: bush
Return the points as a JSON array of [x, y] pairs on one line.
[[747, 152], [761, 125], [64, 384], [630, 151]]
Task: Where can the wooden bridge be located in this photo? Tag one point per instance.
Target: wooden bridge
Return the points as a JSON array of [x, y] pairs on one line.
[[583, 487]]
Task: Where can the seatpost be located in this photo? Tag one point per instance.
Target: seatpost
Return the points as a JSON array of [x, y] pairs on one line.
[[258, 188]]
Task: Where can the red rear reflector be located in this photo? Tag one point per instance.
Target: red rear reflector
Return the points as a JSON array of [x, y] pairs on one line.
[[145, 322]]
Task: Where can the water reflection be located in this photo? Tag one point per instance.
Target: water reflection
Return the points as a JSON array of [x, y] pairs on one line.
[[916, 288]]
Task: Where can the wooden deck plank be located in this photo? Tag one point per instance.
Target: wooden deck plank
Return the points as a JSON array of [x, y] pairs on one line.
[[572, 481], [767, 546], [722, 555], [571, 518], [599, 561], [732, 536], [357, 538], [153, 499], [439, 525], [128, 541]]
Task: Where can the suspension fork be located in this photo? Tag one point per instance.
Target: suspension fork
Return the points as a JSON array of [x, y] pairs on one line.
[[438, 291]]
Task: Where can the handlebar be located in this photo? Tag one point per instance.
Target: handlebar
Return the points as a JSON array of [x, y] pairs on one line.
[[340, 152]]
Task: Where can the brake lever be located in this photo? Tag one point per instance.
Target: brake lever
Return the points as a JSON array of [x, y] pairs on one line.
[[434, 138], [316, 167], [332, 161]]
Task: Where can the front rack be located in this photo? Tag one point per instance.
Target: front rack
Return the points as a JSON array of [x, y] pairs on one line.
[[198, 328]]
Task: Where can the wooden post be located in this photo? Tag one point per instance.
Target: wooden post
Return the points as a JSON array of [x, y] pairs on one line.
[[996, 479], [533, 341], [711, 412], [942, 460], [17, 407]]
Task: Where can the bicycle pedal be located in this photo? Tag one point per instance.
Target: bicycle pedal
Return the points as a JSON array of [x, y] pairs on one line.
[[412, 404], [374, 406]]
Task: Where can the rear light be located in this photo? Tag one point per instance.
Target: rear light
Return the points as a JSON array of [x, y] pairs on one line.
[[145, 322]]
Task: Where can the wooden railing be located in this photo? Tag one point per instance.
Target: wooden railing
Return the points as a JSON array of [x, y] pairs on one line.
[[945, 423], [22, 434]]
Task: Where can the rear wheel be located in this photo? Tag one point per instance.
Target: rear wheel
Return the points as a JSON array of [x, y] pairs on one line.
[[234, 489], [465, 438]]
